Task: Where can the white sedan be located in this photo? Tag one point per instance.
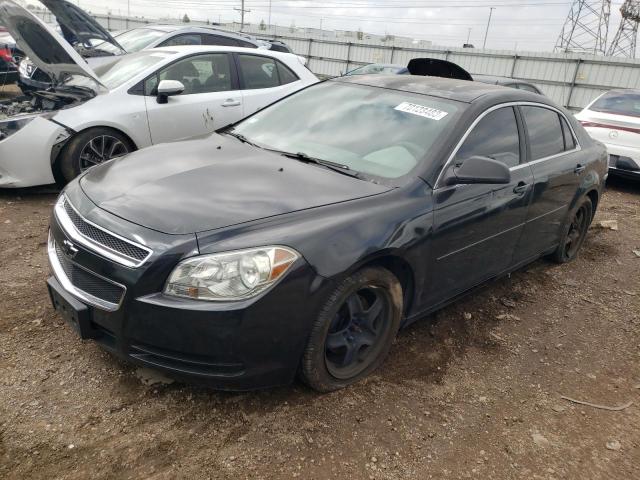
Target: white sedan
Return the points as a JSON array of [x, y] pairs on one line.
[[141, 99], [614, 119]]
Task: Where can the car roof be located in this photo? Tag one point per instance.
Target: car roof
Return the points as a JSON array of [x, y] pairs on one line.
[[181, 50], [459, 90]]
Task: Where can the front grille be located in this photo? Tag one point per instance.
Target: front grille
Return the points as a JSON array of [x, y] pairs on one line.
[[104, 238], [88, 282]]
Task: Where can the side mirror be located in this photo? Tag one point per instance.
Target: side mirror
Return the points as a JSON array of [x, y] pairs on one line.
[[479, 169], [168, 88]]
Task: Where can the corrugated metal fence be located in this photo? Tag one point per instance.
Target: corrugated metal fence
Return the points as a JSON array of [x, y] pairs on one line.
[[572, 80]]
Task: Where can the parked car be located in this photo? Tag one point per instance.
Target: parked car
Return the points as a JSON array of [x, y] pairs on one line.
[[614, 119], [97, 45], [507, 82], [140, 99], [299, 240], [380, 69], [10, 56], [277, 45]]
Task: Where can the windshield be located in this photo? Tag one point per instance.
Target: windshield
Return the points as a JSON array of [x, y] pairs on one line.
[[384, 133], [376, 69], [618, 103], [114, 74], [132, 40]]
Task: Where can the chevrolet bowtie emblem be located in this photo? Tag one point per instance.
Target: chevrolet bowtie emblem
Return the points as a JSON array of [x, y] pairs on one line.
[[69, 249]]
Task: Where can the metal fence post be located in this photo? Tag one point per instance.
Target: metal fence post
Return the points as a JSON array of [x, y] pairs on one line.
[[346, 68], [573, 82], [513, 67], [309, 54], [393, 49]]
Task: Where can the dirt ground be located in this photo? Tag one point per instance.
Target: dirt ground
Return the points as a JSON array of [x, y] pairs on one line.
[[471, 392]]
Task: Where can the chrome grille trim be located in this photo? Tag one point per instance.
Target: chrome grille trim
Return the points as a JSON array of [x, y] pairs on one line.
[[61, 275], [134, 255]]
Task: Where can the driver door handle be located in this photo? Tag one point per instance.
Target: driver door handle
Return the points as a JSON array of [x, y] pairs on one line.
[[230, 102], [579, 169], [521, 188]]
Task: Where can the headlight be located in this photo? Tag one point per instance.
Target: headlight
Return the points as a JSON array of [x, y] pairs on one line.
[[230, 275], [9, 127]]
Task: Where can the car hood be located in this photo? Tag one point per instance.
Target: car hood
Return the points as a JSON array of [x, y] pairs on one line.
[[77, 25], [213, 182], [46, 49]]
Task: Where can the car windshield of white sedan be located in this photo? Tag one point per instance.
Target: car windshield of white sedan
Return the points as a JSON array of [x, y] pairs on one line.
[[112, 75], [132, 40], [384, 133], [618, 103]]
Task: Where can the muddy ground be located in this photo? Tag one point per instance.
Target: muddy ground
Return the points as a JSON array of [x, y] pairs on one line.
[[471, 392]]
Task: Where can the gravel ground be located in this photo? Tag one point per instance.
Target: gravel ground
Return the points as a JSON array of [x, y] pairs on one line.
[[471, 392]]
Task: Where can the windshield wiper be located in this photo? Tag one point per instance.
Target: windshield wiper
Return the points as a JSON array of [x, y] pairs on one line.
[[242, 138], [336, 167]]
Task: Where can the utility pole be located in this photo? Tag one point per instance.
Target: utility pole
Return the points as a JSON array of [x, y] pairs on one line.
[[269, 13], [484, 44], [242, 11], [129, 8], [586, 28]]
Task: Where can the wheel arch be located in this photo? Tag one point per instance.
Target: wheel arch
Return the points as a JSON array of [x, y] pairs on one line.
[[59, 150], [594, 196], [399, 267]]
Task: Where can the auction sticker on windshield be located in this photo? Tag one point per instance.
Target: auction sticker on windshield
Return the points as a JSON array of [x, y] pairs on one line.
[[421, 110]]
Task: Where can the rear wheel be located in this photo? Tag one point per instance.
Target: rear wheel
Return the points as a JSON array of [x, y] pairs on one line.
[[354, 331], [574, 232], [92, 147]]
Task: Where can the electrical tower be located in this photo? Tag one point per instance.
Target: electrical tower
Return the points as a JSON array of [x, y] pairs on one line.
[[624, 43], [586, 27]]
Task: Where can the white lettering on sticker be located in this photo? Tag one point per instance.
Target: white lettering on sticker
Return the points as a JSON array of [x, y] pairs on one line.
[[421, 110]]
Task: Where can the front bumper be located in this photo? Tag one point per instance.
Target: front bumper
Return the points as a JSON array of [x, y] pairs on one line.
[[25, 156], [255, 343]]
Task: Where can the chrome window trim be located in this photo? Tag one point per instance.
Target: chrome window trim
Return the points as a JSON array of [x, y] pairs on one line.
[[61, 276], [521, 165], [109, 253]]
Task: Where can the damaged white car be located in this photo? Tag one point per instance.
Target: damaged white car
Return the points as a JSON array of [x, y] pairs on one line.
[[89, 115]]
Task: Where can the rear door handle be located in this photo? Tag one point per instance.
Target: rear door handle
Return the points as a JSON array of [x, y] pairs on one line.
[[579, 169], [521, 188], [230, 102]]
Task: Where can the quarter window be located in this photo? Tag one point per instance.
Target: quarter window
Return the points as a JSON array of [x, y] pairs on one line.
[[495, 136], [569, 141], [199, 74], [286, 75], [545, 132]]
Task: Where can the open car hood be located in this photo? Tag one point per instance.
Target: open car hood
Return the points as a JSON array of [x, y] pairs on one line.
[[78, 26], [435, 67], [45, 48]]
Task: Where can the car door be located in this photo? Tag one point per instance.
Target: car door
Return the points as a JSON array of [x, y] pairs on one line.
[[553, 153], [264, 80], [211, 98], [477, 226]]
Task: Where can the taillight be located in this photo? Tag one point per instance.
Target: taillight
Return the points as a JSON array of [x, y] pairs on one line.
[[5, 54]]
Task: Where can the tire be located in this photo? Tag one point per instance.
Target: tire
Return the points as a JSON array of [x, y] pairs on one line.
[[354, 330], [78, 155], [574, 232]]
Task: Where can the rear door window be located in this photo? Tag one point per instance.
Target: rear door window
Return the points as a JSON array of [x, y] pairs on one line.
[[544, 130], [495, 136], [258, 72], [186, 39]]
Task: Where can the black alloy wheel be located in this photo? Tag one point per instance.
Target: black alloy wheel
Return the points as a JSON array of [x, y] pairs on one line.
[[354, 330], [575, 232], [100, 149]]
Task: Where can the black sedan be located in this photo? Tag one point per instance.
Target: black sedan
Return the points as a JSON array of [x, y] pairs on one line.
[[300, 240]]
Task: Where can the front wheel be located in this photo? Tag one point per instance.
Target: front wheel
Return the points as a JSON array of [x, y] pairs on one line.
[[92, 147], [354, 331], [574, 232]]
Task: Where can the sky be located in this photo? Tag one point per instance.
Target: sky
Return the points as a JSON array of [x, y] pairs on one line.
[[532, 25]]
